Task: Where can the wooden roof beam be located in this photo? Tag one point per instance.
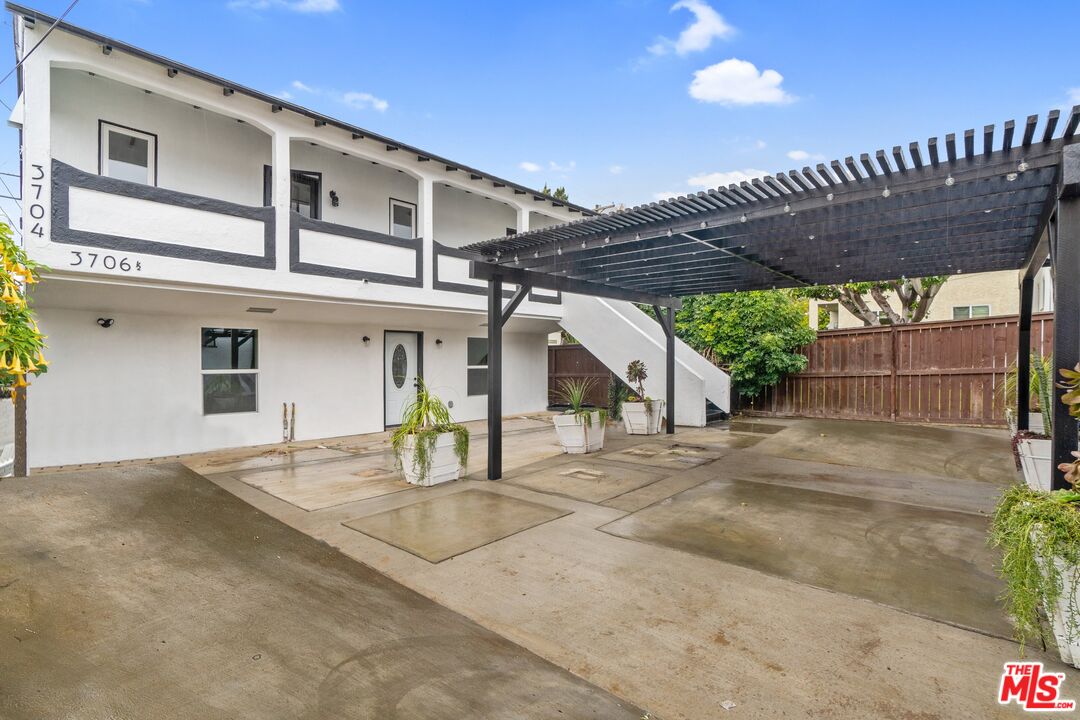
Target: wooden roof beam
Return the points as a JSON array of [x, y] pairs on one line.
[[969, 143], [916, 155], [883, 163], [1051, 125], [1029, 130], [988, 139], [950, 147], [853, 168], [1007, 135], [865, 160], [932, 149], [898, 157], [1074, 120], [838, 170]]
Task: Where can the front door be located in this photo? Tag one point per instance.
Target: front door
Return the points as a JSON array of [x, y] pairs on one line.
[[401, 367]]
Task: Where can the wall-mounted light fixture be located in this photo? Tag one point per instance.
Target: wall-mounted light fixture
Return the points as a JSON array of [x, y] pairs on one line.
[[438, 342], [334, 199], [105, 322], [366, 340]]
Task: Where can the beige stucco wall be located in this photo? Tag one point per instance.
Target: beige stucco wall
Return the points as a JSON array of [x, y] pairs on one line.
[[999, 290]]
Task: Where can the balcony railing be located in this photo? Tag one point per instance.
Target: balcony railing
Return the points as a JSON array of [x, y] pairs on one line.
[[317, 247], [96, 211]]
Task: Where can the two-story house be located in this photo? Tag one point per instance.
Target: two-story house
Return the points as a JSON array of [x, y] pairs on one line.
[[217, 252]]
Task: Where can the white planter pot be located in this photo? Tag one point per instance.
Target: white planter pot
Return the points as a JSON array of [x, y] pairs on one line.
[[639, 422], [1035, 423], [1068, 648], [1036, 463], [576, 437], [445, 465]]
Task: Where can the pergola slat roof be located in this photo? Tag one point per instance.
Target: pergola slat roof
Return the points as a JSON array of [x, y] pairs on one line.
[[883, 216]]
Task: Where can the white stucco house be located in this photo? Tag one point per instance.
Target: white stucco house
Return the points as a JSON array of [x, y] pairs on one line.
[[217, 252]]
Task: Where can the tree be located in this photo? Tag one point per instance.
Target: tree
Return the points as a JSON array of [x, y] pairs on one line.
[[21, 343], [914, 296], [754, 336], [558, 193]]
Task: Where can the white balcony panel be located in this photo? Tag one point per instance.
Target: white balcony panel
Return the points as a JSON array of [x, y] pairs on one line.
[[456, 270], [355, 254], [108, 214], [544, 292]]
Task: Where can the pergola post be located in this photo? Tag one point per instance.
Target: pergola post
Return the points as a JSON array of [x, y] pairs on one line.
[[494, 383], [666, 318], [1023, 353], [1065, 241]]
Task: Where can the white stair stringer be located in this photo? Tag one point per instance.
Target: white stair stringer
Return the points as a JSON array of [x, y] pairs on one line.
[[616, 332]]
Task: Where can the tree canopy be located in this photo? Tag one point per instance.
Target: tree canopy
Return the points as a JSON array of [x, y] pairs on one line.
[[754, 336], [21, 343], [558, 193], [913, 295]]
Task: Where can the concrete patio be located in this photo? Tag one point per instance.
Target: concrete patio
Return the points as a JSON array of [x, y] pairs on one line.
[[793, 567]]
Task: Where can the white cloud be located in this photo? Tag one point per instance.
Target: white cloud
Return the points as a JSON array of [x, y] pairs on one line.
[[802, 155], [760, 145], [615, 169], [665, 195], [738, 82], [301, 6], [698, 35], [363, 101], [556, 167], [352, 98], [723, 179], [529, 166], [1074, 94]]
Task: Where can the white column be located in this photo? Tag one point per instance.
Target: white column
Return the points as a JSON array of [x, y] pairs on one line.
[[522, 219], [426, 227], [281, 183]]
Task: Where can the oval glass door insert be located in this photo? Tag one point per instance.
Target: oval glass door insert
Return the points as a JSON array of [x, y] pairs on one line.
[[399, 366]]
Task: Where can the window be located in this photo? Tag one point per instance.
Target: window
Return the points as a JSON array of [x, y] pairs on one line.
[[966, 312], [127, 154], [477, 362], [229, 357], [402, 219], [304, 193]]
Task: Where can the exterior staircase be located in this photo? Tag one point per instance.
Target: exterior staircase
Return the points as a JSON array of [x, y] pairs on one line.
[[616, 332]]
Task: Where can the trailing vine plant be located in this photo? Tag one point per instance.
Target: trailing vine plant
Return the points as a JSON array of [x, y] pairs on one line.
[[1039, 534], [424, 419], [21, 342]]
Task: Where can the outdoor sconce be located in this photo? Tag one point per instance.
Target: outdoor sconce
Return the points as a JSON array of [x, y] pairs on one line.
[[438, 342], [366, 340], [105, 322], [334, 199]]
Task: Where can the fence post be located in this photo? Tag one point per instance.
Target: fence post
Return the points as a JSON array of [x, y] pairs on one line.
[[895, 357]]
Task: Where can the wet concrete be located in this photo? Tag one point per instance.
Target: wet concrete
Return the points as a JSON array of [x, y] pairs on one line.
[[438, 528], [590, 480], [947, 452], [930, 562], [150, 592]]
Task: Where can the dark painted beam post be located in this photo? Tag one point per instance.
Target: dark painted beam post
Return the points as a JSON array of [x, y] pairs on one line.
[[1023, 354], [1066, 242], [670, 371], [494, 384], [22, 467]]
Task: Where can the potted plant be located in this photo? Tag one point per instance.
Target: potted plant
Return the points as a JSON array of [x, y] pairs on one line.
[[430, 448], [1032, 447], [641, 414], [1039, 533], [581, 428]]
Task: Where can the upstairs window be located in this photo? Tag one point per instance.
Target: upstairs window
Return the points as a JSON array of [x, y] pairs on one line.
[[127, 154], [402, 219], [304, 195], [230, 363]]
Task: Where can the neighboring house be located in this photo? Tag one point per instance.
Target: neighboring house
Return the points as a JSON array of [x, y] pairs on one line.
[[962, 297], [217, 252]]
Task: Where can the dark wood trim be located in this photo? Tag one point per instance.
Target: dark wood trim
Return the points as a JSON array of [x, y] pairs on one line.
[[488, 271]]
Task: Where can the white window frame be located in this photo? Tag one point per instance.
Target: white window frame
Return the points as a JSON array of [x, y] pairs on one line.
[[203, 372], [394, 202], [970, 309], [105, 127], [484, 367]]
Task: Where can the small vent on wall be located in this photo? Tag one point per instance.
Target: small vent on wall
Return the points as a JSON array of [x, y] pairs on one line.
[[261, 310]]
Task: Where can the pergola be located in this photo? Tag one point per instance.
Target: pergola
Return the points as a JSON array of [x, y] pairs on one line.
[[978, 203]]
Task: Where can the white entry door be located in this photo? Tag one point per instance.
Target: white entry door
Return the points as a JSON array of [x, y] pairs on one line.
[[401, 366]]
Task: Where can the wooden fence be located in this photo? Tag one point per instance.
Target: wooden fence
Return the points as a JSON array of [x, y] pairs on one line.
[[574, 362], [941, 372]]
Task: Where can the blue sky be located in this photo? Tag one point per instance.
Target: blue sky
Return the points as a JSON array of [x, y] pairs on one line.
[[622, 100]]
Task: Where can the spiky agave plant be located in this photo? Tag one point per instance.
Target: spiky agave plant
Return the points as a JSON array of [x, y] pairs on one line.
[[424, 419], [1040, 383], [575, 393]]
